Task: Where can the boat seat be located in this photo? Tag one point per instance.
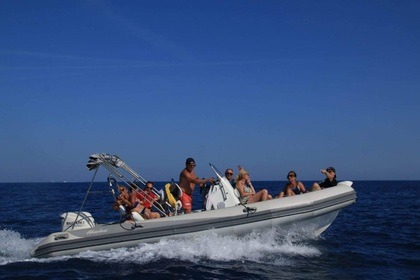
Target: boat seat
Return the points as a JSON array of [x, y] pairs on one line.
[[236, 192], [134, 215]]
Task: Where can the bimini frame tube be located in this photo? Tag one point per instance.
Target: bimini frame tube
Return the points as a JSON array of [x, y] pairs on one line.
[[111, 163], [84, 200]]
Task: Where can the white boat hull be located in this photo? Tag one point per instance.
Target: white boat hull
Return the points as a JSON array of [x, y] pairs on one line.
[[314, 210]]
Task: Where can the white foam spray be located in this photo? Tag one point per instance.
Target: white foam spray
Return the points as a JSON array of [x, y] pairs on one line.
[[269, 246]]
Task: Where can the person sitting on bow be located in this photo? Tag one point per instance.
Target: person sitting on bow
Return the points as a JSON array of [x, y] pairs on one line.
[[329, 181]]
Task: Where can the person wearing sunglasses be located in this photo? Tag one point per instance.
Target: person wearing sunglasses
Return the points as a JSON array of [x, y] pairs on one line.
[[293, 186], [229, 176], [147, 197], [247, 192], [143, 200], [329, 181], [187, 182], [129, 202]]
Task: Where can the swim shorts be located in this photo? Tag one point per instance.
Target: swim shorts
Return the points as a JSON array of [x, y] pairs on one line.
[[186, 200]]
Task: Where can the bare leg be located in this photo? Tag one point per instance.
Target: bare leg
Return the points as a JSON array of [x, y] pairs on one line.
[[315, 187], [151, 215], [290, 192], [264, 195]]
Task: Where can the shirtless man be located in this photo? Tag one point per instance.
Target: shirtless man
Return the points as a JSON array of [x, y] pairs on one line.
[[187, 182]]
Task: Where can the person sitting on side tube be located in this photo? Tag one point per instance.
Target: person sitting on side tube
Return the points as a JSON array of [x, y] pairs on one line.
[[246, 189], [292, 187], [329, 181]]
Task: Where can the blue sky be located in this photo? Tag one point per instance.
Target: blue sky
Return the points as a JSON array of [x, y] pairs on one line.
[[271, 85]]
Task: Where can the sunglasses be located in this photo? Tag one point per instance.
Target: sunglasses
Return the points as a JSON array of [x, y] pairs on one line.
[[147, 188], [330, 171], [230, 174], [291, 175]]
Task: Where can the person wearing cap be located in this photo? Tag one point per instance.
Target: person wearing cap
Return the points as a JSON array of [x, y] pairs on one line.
[[329, 181], [187, 181]]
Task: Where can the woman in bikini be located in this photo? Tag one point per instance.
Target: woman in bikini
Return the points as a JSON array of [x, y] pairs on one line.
[[293, 187]]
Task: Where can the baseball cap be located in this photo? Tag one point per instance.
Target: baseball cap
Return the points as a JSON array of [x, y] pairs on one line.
[[331, 169], [190, 161]]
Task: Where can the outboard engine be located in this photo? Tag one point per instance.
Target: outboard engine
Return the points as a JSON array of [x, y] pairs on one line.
[[84, 220]]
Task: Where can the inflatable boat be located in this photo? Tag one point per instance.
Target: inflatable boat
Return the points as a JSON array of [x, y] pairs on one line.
[[222, 214]]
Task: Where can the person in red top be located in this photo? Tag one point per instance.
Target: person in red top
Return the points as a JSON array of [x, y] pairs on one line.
[[147, 197]]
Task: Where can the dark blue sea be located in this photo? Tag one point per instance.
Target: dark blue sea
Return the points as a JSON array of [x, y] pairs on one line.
[[376, 238]]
